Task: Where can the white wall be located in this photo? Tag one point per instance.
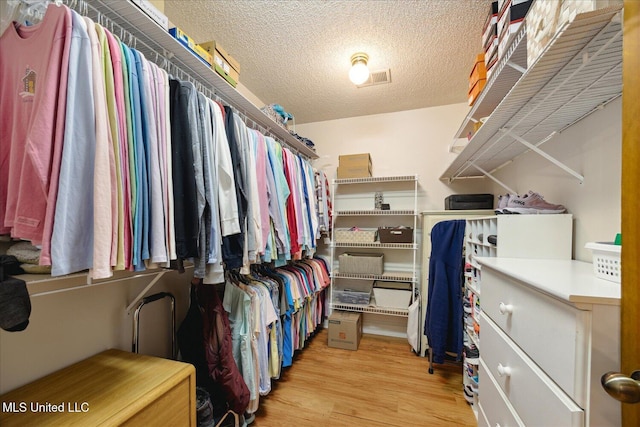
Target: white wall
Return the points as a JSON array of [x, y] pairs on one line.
[[416, 141], [402, 143], [70, 326], [593, 148]]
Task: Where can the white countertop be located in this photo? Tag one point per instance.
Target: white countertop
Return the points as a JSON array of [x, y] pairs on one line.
[[568, 280]]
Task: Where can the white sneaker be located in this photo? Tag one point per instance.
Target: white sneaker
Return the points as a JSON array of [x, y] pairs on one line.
[[532, 203]]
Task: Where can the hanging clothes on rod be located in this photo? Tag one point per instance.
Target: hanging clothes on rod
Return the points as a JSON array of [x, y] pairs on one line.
[[166, 173]]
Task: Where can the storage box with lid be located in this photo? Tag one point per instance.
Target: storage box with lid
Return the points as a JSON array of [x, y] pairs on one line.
[[395, 234], [510, 17], [392, 294], [223, 63], [478, 72], [354, 166], [361, 263], [475, 91], [345, 330], [490, 32]]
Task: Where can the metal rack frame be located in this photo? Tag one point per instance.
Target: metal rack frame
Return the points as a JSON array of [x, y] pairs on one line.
[[404, 276]]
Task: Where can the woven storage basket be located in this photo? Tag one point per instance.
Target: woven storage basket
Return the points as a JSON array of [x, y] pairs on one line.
[[346, 235], [606, 260], [356, 263]]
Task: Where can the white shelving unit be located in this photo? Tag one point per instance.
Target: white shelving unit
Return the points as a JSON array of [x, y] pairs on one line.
[[405, 271], [579, 72], [145, 35], [517, 236]]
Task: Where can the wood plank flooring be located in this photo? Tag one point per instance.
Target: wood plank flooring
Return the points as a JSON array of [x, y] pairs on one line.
[[383, 383]]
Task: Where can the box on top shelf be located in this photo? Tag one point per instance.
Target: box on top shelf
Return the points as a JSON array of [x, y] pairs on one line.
[[345, 330], [510, 17], [474, 92], [547, 17], [153, 12], [354, 166], [478, 72], [223, 63], [490, 24], [190, 44]]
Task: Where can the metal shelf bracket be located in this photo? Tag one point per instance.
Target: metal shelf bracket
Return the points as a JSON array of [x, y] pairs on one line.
[[496, 180], [543, 154], [151, 284]]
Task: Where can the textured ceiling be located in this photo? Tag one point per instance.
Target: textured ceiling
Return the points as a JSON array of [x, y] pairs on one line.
[[296, 53]]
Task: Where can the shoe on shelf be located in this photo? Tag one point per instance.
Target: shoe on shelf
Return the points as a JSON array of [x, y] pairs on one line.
[[467, 307], [471, 354], [503, 202], [532, 203], [468, 395], [492, 239]]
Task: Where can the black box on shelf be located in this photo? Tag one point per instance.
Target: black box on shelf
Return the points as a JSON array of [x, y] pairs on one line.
[[468, 201], [395, 234]]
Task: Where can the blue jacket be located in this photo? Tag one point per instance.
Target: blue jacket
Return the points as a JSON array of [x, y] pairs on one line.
[[443, 321]]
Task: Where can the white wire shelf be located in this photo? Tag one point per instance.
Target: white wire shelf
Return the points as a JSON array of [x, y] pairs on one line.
[[401, 276], [502, 80], [578, 73], [375, 212], [388, 311], [374, 179], [156, 44], [377, 245]]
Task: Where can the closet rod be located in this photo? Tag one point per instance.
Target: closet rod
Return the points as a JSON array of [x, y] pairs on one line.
[[163, 60]]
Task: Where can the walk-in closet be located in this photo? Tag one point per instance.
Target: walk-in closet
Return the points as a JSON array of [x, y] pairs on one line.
[[319, 213]]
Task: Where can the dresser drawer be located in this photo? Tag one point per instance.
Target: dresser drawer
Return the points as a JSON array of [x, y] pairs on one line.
[[493, 408], [537, 400], [551, 332]]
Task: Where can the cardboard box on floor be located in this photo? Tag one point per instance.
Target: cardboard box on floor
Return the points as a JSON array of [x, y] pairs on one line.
[[345, 330], [354, 166]]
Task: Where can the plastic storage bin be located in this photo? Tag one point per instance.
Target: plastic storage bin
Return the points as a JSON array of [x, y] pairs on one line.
[[606, 260]]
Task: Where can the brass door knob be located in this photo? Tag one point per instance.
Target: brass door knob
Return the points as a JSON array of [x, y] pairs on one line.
[[621, 387]]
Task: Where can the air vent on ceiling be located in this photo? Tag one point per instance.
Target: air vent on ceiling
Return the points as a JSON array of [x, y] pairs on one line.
[[379, 77]]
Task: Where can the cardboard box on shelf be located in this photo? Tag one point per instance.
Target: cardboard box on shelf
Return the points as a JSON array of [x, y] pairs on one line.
[[490, 24], [510, 17], [476, 90], [354, 166], [190, 44], [345, 330], [478, 72], [223, 63]]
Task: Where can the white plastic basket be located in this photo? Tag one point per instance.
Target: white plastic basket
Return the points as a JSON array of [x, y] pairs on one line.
[[606, 260]]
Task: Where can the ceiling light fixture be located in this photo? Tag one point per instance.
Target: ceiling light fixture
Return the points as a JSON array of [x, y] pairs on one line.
[[359, 72]]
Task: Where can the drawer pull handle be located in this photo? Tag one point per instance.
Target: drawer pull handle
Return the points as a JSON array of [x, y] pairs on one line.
[[504, 371], [505, 308]]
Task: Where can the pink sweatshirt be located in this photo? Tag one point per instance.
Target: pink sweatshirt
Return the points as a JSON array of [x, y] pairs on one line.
[[33, 73]]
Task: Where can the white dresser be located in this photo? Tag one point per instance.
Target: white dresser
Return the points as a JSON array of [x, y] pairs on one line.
[[549, 329]]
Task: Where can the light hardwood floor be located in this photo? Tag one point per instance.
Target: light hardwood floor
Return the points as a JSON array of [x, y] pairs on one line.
[[383, 383]]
